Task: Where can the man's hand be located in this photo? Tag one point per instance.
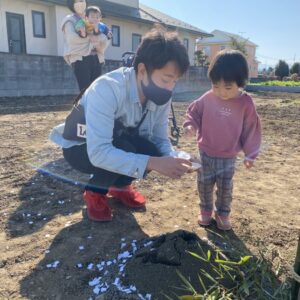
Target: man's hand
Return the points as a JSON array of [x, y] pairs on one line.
[[189, 131], [172, 167], [196, 164], [248, 163]]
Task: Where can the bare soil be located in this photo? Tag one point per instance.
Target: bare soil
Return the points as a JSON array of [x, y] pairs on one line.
[[43, 218]]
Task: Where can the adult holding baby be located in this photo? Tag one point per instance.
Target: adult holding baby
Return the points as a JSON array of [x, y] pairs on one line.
[[79, 44]]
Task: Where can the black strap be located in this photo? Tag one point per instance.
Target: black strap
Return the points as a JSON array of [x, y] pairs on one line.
[[120, 129], [141, 120]]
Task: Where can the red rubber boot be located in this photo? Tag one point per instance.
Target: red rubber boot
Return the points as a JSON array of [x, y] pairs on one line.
[[128, 196], [97, 207]]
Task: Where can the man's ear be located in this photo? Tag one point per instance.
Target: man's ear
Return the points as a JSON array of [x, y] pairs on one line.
[[142, 69], [142, 73]]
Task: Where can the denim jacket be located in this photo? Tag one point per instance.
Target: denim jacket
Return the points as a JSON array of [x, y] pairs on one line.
[[114, 96]]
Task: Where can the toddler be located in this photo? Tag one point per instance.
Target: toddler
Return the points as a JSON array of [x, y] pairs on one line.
[[225, 122]]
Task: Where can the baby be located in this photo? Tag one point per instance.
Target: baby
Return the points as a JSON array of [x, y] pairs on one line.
[[98, 32]]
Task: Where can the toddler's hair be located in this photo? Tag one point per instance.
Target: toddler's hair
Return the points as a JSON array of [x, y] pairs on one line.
[[229, 65], [94, 9]]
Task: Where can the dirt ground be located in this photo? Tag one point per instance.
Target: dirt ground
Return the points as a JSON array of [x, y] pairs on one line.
[[47, 245]]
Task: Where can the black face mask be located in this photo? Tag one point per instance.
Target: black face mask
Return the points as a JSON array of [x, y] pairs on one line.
[[155, 93]]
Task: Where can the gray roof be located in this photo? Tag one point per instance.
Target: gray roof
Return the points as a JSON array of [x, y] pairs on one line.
[[157, 16], [143, 14], [219, 36]]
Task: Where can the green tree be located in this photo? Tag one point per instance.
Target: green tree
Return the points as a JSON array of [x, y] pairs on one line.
[[270, 70], [282, 69], [295, 68], [236, 44], [200, 58]]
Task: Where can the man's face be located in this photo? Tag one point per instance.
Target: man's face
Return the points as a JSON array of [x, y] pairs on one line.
[[165, 77], [94, 17]]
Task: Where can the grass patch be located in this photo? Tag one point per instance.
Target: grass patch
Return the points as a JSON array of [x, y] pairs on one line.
[[228, 276], [278, 83]]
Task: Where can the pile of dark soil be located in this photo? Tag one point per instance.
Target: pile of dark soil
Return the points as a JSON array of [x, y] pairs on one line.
[[155, 266]]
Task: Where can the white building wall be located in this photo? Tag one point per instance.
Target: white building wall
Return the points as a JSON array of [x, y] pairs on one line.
[[54, 14], [34, 45], [126, 30], [192, 44], [60, 12], [3, 31]]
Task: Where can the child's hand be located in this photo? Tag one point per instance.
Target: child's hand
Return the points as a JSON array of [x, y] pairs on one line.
[[82, 32], [189, 131], [248, 163]]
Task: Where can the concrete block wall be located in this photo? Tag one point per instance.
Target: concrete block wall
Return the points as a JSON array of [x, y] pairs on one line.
[[35, 75], [193, 84], [39, 75]]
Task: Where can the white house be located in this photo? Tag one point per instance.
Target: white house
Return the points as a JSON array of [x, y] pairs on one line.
[[31, 42], [33, 26]]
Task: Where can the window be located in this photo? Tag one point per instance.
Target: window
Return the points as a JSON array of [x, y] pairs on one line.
[[116, 36], [38, 23], [136, 40], [186, 44]]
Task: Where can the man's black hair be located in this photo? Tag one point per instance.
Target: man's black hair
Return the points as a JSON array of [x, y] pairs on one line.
[[158, 47], [229, 65]]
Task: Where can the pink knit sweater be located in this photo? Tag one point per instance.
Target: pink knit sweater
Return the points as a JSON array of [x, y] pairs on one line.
[[225, 127]]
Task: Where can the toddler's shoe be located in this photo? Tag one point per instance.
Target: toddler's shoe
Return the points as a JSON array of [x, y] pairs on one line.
[[97, 207], [223, 222], [204, 218], [128, 196]]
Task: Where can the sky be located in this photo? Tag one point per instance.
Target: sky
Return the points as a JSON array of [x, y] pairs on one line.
[[273, 25]]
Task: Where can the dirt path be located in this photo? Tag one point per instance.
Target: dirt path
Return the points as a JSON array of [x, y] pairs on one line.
[[41, 216]]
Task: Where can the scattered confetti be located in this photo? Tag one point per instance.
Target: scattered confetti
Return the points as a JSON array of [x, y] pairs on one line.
[[53, 265], [95, 281]]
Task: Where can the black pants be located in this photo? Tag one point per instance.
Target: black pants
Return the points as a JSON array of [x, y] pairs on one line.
[[102, 179], [87, 70]]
